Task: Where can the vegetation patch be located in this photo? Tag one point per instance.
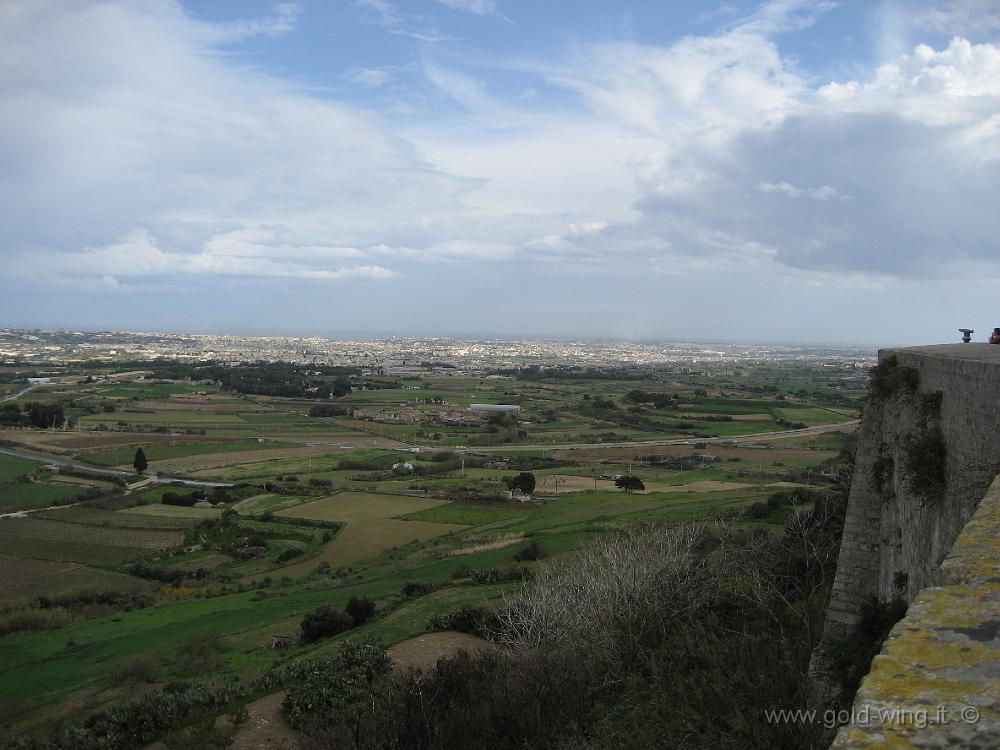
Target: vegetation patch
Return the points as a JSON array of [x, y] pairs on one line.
[[924, 457], [889, 377]]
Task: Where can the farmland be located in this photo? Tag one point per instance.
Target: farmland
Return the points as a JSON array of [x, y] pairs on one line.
[[394, 484]]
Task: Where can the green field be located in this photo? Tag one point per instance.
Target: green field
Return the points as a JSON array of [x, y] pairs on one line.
[[344, 523]]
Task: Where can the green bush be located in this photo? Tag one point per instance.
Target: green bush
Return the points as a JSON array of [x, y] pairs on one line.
[[531, 551], [475, 620], [325, 622], [924, 457], [334, 690], [289, 554], [360, 609]]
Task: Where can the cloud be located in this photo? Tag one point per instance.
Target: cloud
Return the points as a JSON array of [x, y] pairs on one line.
[[153, 129], [139, 257], [893, 175], [479, 7], [139, 150], [395, 21], [368, 77]]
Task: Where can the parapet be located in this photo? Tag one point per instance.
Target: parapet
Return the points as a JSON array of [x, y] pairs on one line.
[[936, 683]]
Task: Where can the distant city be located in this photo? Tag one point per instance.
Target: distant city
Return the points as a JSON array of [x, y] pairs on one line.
[[20, 346]]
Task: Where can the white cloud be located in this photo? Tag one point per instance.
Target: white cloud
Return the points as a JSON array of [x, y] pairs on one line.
[[479, 7], [119, 117], [136, 149], [900, 169], [138, 256], [368, 77]]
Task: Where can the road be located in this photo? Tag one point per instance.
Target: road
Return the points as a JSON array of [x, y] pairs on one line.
[[101, 472]]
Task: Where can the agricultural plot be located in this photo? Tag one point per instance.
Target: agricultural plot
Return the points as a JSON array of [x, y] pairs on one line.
[[372, 526], [268, 503], [89, 545], [11, 468], [23, 577], [160, 453], [81, 514], [154, 510], [18, 496], [467, 514]]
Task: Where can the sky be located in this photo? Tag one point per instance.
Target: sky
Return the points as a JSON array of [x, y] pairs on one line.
[[819, 171]]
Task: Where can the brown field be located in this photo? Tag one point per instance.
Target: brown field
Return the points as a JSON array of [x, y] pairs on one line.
[[123, 519], [333, 439], [424, 651], [82, 440], [42, 530], [205, 461], [197, 403], [24, 577], [679, 451]]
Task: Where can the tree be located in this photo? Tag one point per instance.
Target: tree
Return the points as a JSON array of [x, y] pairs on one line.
[[324, 622], [361, 610], [341, 387], [630, 484], [525, 481], [44, 415], [139, 462]]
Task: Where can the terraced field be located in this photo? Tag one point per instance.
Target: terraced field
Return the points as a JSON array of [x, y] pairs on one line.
[[22, 577]]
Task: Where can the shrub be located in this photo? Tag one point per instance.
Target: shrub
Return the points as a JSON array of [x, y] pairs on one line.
[[139, 668], [31, 620], [325, 622], [889, 377], [417, 588], [361, 610], [476, 620], [502, 574], [532, 551], [924, 462], [289, 554], [335, 690]]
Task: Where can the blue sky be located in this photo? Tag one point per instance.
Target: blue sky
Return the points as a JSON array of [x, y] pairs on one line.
[[797, 170]]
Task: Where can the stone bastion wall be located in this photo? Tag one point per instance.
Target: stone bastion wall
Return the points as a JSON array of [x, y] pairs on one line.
[[928, 455]]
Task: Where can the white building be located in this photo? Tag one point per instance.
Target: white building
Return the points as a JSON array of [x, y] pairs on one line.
[[495, 407]]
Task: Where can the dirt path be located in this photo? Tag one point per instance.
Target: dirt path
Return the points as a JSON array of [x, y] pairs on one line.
[[266, 728]]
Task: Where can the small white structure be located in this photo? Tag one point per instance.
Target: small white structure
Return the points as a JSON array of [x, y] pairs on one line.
[[38, 381], [405, 467], [495, 407]]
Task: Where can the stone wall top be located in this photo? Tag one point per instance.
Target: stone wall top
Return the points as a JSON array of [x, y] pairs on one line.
[[936, 683], [989, 353]]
